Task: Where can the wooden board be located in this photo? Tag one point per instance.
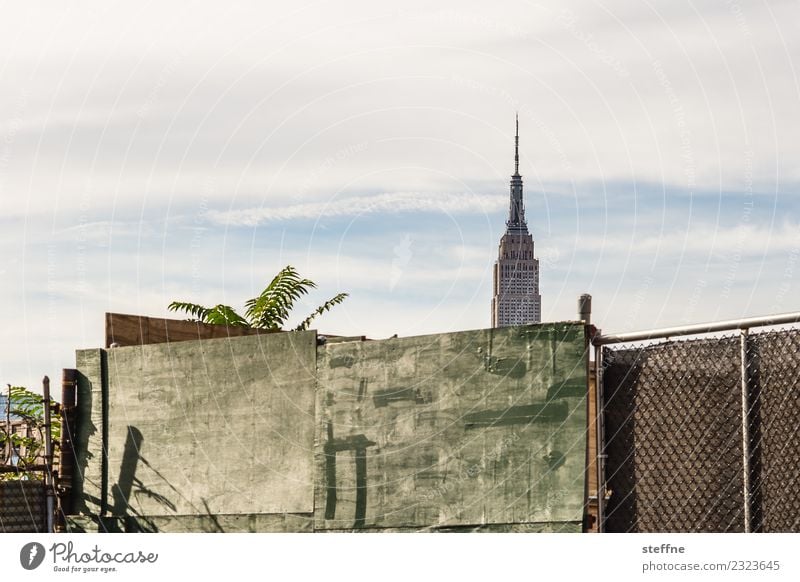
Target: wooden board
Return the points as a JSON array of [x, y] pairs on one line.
[[137, 330]]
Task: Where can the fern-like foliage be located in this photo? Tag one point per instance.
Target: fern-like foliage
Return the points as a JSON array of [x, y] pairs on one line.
[[272, 307], [335, 300], [225, 315], [26, 404], [269, 311], [218, 315], [30, 407], [197, 312]]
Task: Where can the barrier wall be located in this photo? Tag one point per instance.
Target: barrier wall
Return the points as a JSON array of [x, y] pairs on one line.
[[477, 430]]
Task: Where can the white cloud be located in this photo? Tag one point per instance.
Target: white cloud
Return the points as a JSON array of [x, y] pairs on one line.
[[385, 203], [260, 101], [699, 240]]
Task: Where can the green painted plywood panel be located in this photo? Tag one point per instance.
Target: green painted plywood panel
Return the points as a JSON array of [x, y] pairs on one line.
[[212, 427], [236, 523], [453, 430]]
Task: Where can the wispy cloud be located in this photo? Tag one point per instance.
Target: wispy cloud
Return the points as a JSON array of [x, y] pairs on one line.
[[385, 203], [701, 240]]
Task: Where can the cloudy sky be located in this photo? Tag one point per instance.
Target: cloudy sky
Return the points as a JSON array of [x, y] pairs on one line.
[[151, 153]]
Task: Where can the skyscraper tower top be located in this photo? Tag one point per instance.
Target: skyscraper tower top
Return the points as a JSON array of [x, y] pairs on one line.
[[516, 212], [516, 298]]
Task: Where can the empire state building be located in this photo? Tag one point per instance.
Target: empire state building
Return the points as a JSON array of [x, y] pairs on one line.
[[516, 299]]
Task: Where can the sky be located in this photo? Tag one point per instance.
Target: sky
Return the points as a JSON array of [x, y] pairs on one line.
[[152, 152]]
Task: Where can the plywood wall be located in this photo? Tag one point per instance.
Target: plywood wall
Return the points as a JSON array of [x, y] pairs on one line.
[[470, 430]]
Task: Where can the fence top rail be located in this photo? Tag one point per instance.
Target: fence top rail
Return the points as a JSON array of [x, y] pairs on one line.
[[698, 328]]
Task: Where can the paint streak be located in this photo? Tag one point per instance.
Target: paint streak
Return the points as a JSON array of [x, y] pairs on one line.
[[527, 414], [330, 477], [362, 389], [359, 444], [361, 487], [383, 398], [555, 459], [568, 388]]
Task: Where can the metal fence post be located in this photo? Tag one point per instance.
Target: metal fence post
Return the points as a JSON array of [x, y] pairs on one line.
[[599, 437], [745, 386]]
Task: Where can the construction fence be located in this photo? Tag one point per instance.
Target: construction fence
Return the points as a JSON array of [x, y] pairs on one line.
[[481, 430], [703, 435], [469, 431], [23, 506]]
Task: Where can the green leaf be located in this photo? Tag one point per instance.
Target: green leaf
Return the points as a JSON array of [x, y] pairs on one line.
[[217, 315], [225, 315], [271, 308], [335, 300], [29, 406], [198, 312]]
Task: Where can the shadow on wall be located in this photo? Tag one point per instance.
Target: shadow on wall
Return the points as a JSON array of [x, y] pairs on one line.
[[127, 484], [85, 431], [125, 517]]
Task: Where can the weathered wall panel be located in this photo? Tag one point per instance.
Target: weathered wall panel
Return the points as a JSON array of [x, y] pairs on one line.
[[212, 427], [213, 523], [459, 429]]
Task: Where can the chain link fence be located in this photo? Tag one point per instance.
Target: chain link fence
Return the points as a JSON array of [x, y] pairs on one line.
[[23, 506], [775, 378], [679, 447]]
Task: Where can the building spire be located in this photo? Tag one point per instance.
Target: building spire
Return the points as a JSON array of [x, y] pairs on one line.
[[516, 149], [516, 211], [516, 299]]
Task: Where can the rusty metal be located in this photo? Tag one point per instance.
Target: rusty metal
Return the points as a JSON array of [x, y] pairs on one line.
[[66, 462]]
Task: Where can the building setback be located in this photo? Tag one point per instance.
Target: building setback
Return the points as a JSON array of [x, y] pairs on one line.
[[516, 298]]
